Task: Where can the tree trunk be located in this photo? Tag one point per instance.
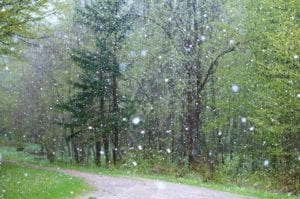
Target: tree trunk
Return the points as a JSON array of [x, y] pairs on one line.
[[106, 148], [98, 153], [115, 128]]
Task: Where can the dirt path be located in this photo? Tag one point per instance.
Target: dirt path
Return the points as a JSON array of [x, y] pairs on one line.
[[107, 187]]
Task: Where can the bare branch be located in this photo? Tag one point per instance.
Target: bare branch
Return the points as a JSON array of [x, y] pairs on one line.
[[213, 64]]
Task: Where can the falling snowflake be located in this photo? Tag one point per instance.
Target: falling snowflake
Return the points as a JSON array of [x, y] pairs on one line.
[[243, 120], [161, 185], [143, 132], [169, 150], [140, 147], [144, 53], [136, 120], [266, 163], [202, 38], [235, 88], [134, 163]]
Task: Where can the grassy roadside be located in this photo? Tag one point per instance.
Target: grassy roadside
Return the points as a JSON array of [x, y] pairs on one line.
[[18, 182], [191, 179]]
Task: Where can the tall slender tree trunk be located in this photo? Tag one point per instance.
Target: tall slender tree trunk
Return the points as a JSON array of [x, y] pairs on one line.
[[98, 153], [106, 147], [75, 147], [190, 121], [115, 128]]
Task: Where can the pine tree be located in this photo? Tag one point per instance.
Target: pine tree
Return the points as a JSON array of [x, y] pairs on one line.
[[109, 23]]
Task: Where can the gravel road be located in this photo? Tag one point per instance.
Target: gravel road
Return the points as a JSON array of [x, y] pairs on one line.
[[108, 187]]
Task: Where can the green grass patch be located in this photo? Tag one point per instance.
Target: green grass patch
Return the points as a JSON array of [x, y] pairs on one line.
[[28, 183]]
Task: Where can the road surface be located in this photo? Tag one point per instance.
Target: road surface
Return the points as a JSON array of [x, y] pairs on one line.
[[108, 187]]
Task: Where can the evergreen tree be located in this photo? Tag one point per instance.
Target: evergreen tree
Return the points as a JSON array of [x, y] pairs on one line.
[[109, 22]]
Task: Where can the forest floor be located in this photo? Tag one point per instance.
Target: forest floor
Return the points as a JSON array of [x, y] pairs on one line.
[[109, 187]]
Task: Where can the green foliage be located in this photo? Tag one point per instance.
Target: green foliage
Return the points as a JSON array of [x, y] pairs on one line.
[[17, 19]]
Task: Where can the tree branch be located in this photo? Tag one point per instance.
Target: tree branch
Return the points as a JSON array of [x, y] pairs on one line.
[[214, 63]]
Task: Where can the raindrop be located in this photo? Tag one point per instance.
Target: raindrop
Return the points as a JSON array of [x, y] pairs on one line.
[[90, 128], [220, 133], [142, 132], [166, 80], [251, 128], [298, 95], [6, 68], [296, 56]]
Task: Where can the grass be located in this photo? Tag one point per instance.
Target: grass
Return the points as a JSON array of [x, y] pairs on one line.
[[28, 183], [189, 179]]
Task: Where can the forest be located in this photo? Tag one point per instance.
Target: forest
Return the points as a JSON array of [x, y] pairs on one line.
[[161, 86]]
